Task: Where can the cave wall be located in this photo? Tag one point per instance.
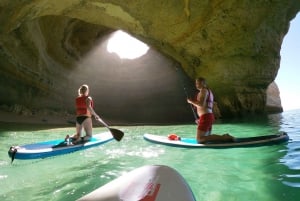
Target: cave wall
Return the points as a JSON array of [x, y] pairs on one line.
[[234, 44]]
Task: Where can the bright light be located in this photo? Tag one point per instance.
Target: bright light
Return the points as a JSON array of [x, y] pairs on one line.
[[288, 75], [125, 46]]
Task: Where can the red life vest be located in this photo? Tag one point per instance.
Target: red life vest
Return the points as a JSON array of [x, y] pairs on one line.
[[81, 107]]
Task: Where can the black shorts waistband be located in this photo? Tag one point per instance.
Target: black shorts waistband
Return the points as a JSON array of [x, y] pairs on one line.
[[81, 119]]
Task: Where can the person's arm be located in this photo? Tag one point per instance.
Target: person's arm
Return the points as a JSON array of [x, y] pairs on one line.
[[201, 99], [90, 108]]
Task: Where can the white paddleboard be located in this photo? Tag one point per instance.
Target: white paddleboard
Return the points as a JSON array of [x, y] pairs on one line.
[[147, 183], [238, 142]]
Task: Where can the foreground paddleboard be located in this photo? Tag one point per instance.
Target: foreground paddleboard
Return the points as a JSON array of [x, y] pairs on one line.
[[147, 183], [55, 147], [238, 142]]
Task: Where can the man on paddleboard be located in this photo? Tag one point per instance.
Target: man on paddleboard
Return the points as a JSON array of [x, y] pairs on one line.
[[204, 105]]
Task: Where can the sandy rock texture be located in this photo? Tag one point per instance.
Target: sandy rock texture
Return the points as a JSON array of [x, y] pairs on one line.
[[49, 48]]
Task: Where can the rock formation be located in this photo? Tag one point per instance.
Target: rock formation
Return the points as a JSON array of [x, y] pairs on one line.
[[45, 46]]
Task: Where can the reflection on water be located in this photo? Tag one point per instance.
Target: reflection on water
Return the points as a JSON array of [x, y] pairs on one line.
[[268, 173], [291, 123]]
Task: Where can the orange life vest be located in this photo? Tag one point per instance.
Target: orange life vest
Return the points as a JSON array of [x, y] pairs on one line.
[[81, 107]]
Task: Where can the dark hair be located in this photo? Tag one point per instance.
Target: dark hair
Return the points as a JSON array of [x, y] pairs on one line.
[[201, 79]]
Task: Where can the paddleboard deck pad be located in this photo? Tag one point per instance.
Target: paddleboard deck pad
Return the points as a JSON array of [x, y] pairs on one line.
[[147, 183], [238, 142], [55, 147]]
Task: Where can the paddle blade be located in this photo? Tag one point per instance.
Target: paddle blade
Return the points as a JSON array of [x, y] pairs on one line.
[[12, 152], [117, 134]]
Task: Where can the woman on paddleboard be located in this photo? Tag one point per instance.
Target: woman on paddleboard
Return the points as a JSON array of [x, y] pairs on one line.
[[84, 112], [204, 105]]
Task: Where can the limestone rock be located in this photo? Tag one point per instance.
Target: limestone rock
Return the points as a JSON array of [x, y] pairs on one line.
[[273, 99], [44, 46]]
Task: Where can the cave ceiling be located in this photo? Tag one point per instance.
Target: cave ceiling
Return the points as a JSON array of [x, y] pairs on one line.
[[235, 45]]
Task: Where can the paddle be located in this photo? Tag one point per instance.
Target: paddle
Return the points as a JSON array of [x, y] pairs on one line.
[[185, 90], [117, 134]]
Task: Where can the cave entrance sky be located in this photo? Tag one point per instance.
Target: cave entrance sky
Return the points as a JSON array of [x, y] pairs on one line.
[[288, 75], [126, 46]]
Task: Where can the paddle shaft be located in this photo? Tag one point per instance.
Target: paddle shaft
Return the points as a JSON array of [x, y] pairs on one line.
[[101, 121], [185, 91], [117, 134]]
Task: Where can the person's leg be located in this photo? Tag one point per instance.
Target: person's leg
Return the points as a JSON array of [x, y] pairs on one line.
[[77, 135], [78, 130], [203, 128], [201, 136], [76, 138], [219, 138], [88, 128]]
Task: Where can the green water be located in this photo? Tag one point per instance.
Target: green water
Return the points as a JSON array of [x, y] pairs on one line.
[[269, 173]]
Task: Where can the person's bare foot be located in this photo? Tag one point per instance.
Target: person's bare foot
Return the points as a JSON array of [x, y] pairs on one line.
[[67, 137], [228, 138], [202, 141]]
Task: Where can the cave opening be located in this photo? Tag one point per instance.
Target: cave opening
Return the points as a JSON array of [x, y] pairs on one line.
[[288, 74], [146, 89], [126, 46], [142, 86]]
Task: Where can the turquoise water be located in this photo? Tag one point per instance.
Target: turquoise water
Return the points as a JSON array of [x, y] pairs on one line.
[[269, 173]]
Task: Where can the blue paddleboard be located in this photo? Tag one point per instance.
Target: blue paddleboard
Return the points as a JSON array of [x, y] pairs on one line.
[[55, 147]]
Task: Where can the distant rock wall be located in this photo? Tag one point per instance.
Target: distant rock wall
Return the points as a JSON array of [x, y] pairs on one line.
[[234, 44], [273, 99]]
